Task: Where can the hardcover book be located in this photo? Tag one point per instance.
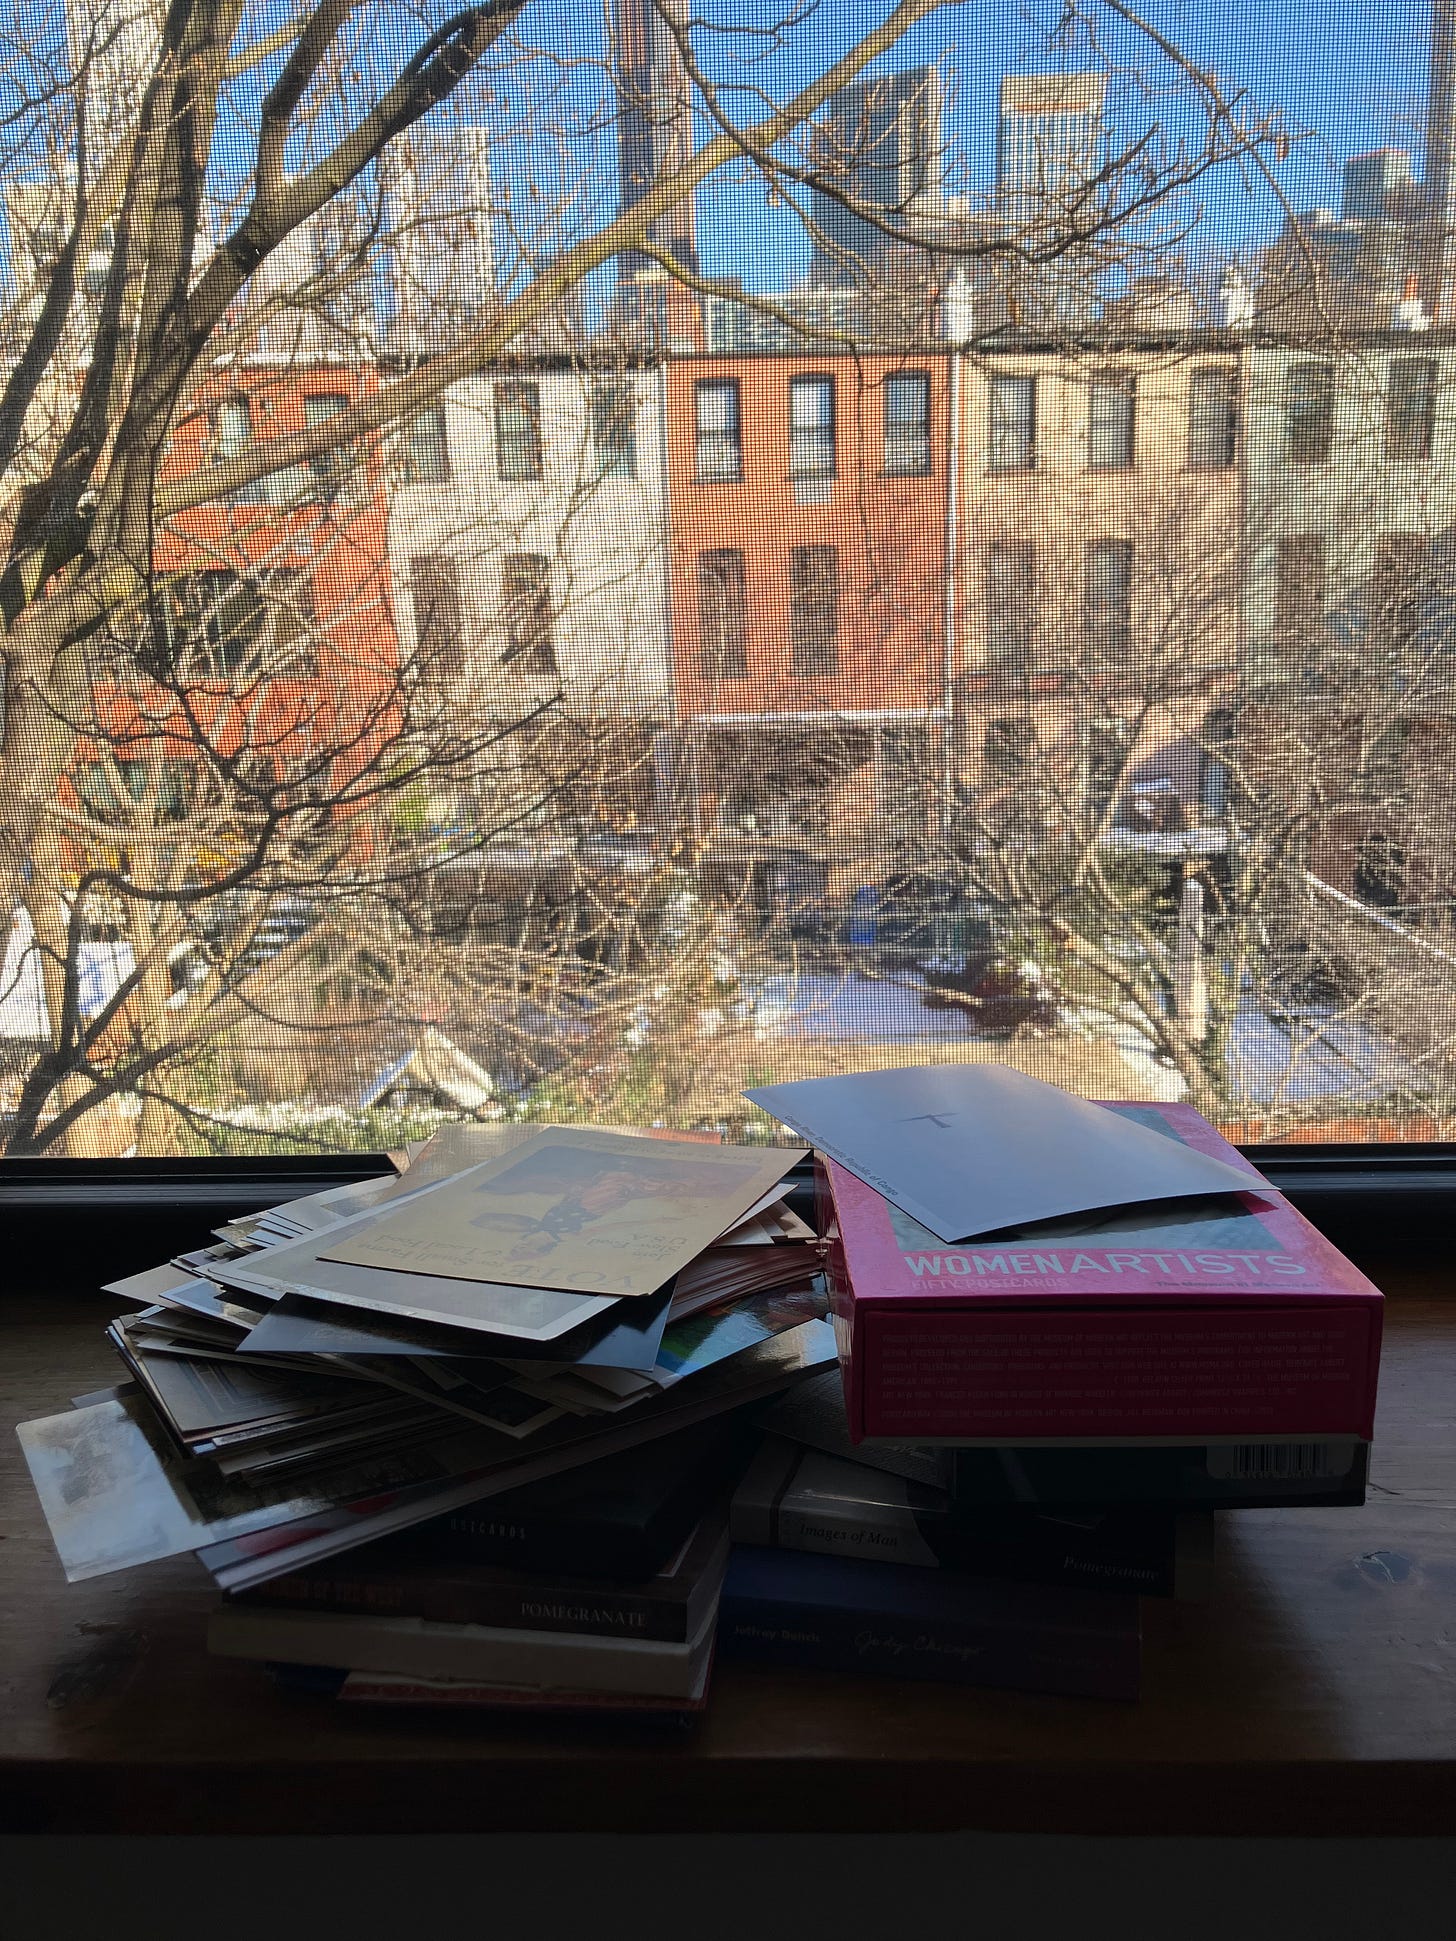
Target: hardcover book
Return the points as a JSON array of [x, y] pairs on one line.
[[1283, 1473], [479, 1653], [801, 1499], [622, 1516], [412, 1582], [460, 1694], [1197, 1321], [790, 1607]]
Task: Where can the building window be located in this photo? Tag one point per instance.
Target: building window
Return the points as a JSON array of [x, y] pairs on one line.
[[1410, 425], [1103, 747], [518, 431], [1007, 746], [614, 430], [1399, 592], [1010, 605], [219, 623], [526, 604], [814, 610], [1107, 595], [907, 424], [232, 429], [723, 614], [719, 429], [1309, 413], [1111, 409], [425, 459], [1300, 589], [329, 470], [439, 632], [232, 434], [1013, 424], [1213, 418], [811, 428]]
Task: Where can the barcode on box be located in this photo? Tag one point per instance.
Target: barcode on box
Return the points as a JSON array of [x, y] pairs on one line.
[[1281, 1462]]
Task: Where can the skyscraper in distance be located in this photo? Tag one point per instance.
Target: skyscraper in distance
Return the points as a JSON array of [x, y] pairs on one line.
[[654, 126], [880, 146], [113, 46], [443, 270], [1048, 140], [1049, 149]]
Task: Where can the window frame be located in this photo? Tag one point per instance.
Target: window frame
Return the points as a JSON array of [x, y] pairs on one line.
[[533, 651], [919, 427], [411, 471], [1300, 621], [819, 439], [1399, 416], [614, 459], [1101, 637], [814, 652], [721, 660], [1222, 425], [730, 434], [445, 657], [1023, 554], [1121, 388], [206, 656], [1000, 428], [1316, 401], [508, 394], [328, 472]]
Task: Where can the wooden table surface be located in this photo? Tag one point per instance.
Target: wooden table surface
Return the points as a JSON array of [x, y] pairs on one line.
[[1315, 1693]]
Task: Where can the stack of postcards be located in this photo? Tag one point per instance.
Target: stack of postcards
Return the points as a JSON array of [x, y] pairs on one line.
[[524, 1358]]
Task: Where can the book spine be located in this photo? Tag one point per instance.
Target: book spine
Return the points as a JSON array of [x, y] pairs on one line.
[[1099, 1372], [904, 1536], [477, 1653], [582, 1549], [605, 1612], [1255, 1475], [1024, 1659]]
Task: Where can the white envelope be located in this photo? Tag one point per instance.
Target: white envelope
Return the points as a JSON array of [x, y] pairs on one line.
[[969, 1149]]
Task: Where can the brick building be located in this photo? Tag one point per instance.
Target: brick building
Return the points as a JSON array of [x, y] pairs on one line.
[[807, 511], [270, 622]]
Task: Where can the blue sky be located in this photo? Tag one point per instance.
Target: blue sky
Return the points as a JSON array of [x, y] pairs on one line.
[[1346, 75]]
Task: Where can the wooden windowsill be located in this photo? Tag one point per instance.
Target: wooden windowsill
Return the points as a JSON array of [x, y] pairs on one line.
[[1314, 1693]]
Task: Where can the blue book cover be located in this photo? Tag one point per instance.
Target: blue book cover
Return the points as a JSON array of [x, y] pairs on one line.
[[796, 1607]]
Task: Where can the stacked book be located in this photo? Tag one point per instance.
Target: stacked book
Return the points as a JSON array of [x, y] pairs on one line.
[[398, 1455], [1069, 1334], [551, 1416]]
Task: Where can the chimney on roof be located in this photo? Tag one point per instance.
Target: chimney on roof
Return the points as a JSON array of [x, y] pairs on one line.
[[1410, 311], [1235, 301]]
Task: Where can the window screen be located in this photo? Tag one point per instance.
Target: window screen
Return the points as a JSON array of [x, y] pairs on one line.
[[426, 456], [719, 429], [723, 613], [1013, 424], [518, 431], [969, 543], [1111, 412], [814, 610], [1213, 418], [811, 428], [614, 430], [907, 423]]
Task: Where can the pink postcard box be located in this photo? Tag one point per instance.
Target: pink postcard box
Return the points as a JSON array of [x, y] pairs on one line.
[[1182, 1321]]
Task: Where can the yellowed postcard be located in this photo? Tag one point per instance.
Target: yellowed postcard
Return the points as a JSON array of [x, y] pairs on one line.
[[589, 1211]]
